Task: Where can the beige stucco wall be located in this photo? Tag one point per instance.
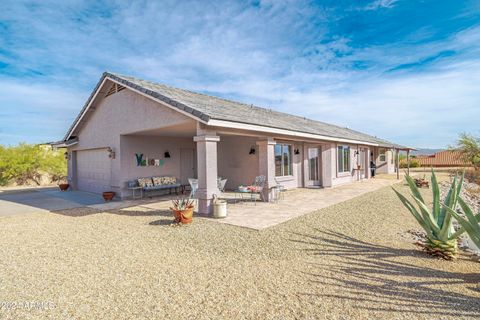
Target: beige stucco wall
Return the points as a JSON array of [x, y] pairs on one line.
[[153, 147], [234, 161], [119, 114], [387, 166], [330, 156]]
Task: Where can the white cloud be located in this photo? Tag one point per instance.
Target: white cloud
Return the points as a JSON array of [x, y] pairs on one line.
[[280, 54], [378, 4]]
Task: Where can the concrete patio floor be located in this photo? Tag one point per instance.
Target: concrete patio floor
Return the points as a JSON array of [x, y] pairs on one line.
[[261, 215], [296, 203]]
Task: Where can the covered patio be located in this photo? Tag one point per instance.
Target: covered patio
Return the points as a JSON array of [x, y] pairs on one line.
[[261, 215], [295, 203]]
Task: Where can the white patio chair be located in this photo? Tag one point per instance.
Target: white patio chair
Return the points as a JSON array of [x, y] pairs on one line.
[[280, 190], [193, 187], [221, 184], [259, 184]]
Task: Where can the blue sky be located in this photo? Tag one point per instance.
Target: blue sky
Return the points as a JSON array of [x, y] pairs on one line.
[[407, 71]]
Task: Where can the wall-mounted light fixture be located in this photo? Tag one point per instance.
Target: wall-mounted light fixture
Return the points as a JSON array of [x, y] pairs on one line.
[[111, 153], [166, 154], [356, 152], [67, 155], [296, 151], [252, 150]]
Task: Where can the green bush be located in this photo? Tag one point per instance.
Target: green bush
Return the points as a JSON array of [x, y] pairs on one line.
[[413, 164], [26, 163]]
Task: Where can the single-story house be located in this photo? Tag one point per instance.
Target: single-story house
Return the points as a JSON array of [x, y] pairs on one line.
[[131, 128]]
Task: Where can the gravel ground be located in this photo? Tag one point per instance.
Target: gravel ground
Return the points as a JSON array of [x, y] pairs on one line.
[[354, 260]]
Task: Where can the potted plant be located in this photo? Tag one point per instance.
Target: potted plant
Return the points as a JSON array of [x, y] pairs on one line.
[[63, 184], [108, 195], [183, 210]]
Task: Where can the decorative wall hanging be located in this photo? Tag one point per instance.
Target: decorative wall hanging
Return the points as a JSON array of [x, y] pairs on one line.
[[148, 162]]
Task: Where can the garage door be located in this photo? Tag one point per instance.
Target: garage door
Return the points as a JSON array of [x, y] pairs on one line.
[[93, 170]]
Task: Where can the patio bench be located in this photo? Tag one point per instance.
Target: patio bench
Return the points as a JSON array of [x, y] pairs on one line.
[[156, 184]]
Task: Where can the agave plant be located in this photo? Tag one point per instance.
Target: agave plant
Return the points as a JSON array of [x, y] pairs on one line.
[[441, 237], [183, 204], [470, 224]]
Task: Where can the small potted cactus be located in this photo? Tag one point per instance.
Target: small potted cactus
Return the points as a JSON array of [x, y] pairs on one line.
[[183, 210]]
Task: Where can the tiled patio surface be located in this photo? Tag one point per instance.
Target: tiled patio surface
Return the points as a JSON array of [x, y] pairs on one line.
[[296, 203]]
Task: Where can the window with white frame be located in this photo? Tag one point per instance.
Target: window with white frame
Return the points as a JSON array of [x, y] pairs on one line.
[[283, 160], [343, 159], [382, 154]]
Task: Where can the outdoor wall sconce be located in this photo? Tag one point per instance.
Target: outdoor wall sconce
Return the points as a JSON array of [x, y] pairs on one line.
[[66, 155], [356, 152], [252, 150], [167, 154], [111, 153], [296, 151]]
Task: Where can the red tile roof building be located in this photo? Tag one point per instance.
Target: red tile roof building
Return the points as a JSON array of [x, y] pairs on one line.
[[443, 159]]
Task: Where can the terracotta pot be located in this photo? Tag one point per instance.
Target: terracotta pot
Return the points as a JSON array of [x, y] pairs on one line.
[[183, 216], [108, 195], [63, 186]]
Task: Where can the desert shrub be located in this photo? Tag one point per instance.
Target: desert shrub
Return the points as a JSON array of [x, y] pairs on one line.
[[26, 163], [469, 146], [413, 164], [472, 176]]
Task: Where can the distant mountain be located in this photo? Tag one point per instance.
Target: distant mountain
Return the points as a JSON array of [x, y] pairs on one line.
[[425, 152]]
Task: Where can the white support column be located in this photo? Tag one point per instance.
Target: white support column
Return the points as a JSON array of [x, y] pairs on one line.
[[397, 164], [207, 171], [266, 165], [368, 158], [408, 162]]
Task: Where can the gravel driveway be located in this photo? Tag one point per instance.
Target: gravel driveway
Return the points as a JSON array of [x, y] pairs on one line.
[[353, 260]]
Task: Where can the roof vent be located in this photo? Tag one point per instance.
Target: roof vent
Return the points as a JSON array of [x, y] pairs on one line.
[[114, 89]]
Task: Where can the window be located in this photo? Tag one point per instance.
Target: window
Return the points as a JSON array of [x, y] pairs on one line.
[[343, 157], [382, 154], [283, 160]]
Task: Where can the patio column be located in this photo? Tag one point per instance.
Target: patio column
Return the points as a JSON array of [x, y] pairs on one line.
[[266, 165], [408, 161], [398, 163], [207, 171]]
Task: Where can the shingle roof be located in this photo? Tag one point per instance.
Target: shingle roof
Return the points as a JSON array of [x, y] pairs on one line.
[[206, 107]]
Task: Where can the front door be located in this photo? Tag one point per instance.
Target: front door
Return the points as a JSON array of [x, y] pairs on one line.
[[314, 166], [187, 165]]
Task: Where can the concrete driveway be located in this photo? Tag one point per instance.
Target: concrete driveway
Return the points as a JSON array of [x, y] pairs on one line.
[[44, 200]]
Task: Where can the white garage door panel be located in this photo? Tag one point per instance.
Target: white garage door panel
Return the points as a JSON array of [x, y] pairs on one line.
[[93, 170]]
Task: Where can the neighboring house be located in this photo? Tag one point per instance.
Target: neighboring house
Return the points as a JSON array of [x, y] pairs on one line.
[[445, 158], [127, 123]]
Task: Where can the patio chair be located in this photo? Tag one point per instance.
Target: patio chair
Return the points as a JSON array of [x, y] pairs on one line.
[[280, 189], [193, 187], [221, 184], [258, 184]]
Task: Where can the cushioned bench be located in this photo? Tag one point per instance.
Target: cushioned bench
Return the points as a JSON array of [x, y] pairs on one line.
[[156, 183]]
